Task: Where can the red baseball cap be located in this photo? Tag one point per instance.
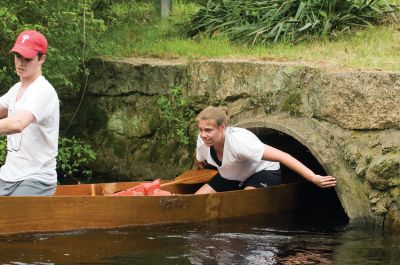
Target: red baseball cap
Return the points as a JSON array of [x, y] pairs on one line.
[[29, 43]]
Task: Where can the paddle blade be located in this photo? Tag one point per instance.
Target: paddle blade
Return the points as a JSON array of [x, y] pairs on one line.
[[195, 176]]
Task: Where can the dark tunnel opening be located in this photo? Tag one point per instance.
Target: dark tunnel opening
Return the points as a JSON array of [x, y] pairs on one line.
[[318, 201]]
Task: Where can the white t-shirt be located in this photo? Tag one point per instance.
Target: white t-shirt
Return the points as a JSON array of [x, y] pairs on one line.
[[242, 156], [32, 153]]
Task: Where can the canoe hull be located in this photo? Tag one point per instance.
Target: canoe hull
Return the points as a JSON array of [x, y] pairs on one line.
[[71, 212]]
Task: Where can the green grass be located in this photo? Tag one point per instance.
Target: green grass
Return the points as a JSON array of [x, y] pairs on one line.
[[374, 48]]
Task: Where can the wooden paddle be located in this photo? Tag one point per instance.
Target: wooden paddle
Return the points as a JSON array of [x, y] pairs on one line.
[[193, 176]]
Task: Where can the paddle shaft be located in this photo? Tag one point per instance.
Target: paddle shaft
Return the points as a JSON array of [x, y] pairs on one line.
[[176, 182], [201, 176]]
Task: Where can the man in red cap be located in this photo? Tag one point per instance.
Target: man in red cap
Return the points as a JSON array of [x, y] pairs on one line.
[[29, 116]]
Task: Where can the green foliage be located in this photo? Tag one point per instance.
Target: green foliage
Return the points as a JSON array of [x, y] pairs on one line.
[[73, 158], [281, 20], [175, 114], [3, 149], [138, 29], [71, 28], [142, 35]]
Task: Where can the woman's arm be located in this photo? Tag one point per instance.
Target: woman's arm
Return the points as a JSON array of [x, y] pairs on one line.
[[273, 154]]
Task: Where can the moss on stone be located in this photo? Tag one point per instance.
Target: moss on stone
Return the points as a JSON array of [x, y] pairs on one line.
[[292, 103], [130, 125], [382, 172]]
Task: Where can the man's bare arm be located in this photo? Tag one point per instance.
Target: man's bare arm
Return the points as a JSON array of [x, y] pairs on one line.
[[17, 123]]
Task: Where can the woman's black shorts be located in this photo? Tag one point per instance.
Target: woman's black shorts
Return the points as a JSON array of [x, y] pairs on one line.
[[260, 179]]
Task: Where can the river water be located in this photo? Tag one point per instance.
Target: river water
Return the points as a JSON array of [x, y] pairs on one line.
[[317, 238]]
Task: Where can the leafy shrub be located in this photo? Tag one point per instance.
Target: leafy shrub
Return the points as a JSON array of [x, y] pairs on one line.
[[71, 28], [282, 20], [3, 149], [73, 158], [175, 114]]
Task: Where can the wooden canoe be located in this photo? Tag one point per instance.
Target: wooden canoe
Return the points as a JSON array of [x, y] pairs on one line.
[[85, 206]]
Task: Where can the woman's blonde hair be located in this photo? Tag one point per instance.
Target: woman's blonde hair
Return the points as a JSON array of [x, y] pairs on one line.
[[218, 114]]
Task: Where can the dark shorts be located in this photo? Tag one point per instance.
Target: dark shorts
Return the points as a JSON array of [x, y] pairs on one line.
[[260, 179]]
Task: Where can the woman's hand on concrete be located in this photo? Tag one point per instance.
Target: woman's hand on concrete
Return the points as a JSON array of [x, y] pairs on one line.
[[324, 181]]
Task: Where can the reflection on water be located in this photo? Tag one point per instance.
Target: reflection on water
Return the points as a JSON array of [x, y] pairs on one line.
[[279, 239]]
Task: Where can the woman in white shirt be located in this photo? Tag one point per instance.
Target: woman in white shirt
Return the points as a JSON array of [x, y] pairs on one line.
[[242, 160]]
